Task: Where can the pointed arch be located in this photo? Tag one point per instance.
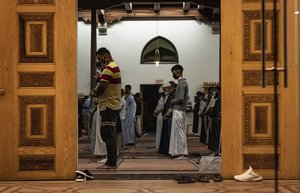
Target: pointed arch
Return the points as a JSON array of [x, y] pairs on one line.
[[167, 50]]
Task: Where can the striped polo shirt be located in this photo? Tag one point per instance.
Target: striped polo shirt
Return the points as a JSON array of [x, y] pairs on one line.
[[111, 97]]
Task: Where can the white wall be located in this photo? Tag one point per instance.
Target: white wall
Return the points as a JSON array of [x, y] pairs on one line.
[[198, 52]]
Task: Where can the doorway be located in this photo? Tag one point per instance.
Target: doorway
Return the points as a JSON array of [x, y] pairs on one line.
[[133, 71], [244, 141], [150, 97], [242, 74]]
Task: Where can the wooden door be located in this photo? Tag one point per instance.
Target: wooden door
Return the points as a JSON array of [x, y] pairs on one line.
[[38, 111], [247, 108]]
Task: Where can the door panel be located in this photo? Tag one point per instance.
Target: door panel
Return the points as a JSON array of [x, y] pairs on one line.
[[38, 72], [248, 109]]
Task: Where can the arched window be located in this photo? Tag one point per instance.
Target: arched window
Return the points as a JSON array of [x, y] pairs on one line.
[[167, 51]]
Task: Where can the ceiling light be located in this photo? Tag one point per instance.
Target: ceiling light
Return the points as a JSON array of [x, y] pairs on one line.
[[157, 57]]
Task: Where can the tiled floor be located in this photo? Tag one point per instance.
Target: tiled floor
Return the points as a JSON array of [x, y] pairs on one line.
[[147, 186], [141, 171]]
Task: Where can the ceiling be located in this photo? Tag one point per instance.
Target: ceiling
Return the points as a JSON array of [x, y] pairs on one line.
[[111, 11]]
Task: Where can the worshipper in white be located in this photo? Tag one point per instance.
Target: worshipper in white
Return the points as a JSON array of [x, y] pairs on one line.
[[167, 119], [98, 145], [178, 139], [158, 114], [129, 131], [159, 119]]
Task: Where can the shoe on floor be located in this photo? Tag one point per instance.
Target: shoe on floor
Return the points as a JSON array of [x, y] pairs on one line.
[[204, 179], [79, 172], [185, 179], [80, 178], [102, 161], [88, 174], [218, 178], [248, 176]]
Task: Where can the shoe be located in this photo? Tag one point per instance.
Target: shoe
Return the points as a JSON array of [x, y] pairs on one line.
[[80, 178], [102, 161], [218, 178], [107, 167], [185, 179], [88, 175], [79, 172], [248, 176], [202, 179], [181, 157]]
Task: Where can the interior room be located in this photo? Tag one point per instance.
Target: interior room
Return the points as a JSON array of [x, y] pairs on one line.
[[196, 42]]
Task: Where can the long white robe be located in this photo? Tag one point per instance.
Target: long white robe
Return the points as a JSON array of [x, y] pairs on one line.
[[100, 147], [202, 108], [129, 132], [159, 120], [178, 138]]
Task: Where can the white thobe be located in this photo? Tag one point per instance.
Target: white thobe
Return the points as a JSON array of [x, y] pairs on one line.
[[178, 139]]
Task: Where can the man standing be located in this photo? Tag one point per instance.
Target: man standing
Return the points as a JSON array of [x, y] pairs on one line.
[[109, 97], [86, 115], [178, 139], [129, 132], [138, 114]]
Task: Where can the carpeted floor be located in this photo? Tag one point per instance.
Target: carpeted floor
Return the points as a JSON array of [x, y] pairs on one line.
[[143, 158], [157, 164]]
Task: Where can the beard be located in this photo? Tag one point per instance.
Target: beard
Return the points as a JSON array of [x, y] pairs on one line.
[[175, 77]]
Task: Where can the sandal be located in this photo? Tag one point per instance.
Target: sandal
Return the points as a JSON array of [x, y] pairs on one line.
[[218, 178], [203, 179]]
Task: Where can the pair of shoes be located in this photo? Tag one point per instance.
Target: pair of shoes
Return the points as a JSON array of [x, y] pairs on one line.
[[83, 175], [218, 178], [107, 167], [248, 176], [185, 179], [202, 179]]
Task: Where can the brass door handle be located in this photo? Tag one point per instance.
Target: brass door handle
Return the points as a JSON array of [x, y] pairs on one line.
[[2, 92]]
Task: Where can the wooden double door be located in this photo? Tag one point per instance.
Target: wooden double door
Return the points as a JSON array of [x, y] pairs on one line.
[[38, 93]]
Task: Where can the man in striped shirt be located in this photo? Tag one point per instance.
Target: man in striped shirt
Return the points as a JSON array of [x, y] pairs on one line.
[[109, 96]]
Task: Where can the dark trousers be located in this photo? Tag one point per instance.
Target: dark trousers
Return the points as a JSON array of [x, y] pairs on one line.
[[109, 134]]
